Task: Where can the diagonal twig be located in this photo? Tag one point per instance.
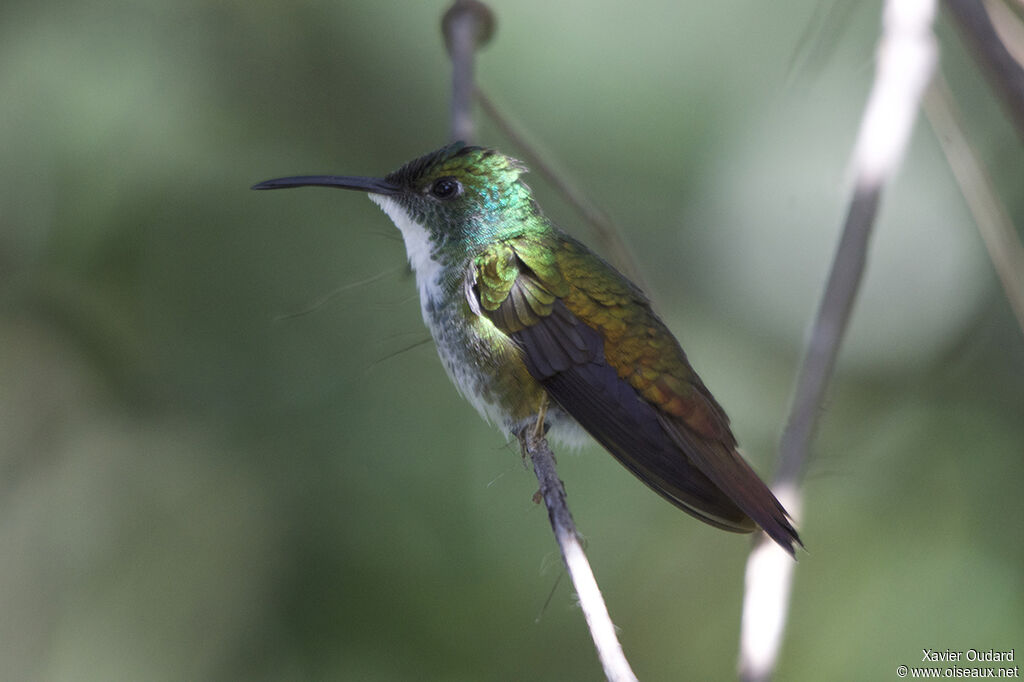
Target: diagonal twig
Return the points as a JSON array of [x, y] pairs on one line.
[[605, 231], [1005, 73], [990, 215], [602, 631], [906, 58]]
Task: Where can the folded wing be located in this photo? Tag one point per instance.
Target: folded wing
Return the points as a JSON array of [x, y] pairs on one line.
[[593, 342]]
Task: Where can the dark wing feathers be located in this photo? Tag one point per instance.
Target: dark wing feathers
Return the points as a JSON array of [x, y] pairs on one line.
[[698, 472], [731, 474], [610, 410], [556, 343]]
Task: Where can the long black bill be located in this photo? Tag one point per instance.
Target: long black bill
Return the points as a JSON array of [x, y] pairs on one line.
[[371, 185]]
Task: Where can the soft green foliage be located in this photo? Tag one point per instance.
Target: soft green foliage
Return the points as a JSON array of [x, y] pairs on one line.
[[193, 489]]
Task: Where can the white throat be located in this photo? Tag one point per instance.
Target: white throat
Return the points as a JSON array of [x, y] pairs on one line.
[[417, 246]]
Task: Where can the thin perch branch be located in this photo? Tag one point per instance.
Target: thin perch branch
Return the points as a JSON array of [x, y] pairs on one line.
[[609, 650], [467, 26], [907, 55]]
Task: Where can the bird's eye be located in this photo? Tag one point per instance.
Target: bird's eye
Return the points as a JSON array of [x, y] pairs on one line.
[[446, 188]]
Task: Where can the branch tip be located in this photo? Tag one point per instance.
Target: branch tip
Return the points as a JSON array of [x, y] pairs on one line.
[[474, 13]]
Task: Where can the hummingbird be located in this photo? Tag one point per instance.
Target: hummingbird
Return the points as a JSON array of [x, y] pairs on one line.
[[524, 315]]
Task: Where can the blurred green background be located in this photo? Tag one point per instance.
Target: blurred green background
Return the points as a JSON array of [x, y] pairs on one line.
[[193, 488]]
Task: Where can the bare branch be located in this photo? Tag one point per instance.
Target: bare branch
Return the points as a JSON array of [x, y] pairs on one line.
[[993, 221], [467, 26], [609, 650], [1004, 72], [906, 59], [767, 586]]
